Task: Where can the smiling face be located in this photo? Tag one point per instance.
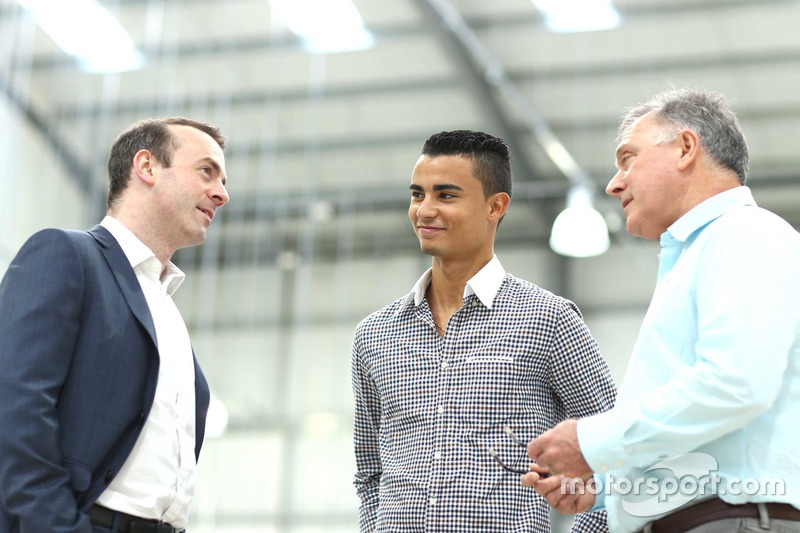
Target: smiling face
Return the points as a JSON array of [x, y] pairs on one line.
[[647, 182], [449, 211], [189, 191]]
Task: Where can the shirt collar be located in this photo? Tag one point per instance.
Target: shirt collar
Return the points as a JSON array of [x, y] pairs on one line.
[[139, 254], [706, 211], [484, 284]]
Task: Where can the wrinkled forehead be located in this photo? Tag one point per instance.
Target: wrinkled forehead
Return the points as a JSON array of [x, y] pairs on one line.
[[640, 123], [644, 130], [645, 127]]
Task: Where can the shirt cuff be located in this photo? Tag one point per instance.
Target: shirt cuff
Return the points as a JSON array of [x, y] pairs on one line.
[[600, 440], [600, 494]]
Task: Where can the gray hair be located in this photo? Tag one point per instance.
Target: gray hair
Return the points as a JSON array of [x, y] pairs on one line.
[[707, 114]]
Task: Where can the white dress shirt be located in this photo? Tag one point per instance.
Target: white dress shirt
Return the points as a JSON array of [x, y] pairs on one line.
[[158, 478]]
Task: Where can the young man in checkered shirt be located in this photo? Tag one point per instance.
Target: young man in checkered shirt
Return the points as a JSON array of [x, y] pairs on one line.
[[440, 374]]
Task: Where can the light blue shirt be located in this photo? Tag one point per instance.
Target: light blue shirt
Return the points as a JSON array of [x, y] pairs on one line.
[[715, 372]]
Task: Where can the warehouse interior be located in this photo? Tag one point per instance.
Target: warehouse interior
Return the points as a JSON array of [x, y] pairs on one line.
[[322, 138]]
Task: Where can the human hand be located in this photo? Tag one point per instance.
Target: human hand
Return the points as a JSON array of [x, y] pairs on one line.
[[537, 474], [557, 451], [565, 495]]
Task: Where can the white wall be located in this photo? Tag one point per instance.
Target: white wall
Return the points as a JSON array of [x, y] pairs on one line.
[[35, 189]]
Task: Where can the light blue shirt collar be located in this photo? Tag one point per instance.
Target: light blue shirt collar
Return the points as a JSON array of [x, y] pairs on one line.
[[708, 210]]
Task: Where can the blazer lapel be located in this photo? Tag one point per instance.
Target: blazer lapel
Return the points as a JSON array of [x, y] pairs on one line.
[[126, 278]]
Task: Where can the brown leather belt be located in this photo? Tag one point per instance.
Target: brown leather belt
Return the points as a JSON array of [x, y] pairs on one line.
[[715, 509], [104, 517]]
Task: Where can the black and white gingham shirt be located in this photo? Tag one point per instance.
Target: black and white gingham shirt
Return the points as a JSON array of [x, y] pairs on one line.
[[428, 408]]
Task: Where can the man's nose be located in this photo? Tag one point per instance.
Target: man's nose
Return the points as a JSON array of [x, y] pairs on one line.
[[616, 185], [426, 209], [220, 195]]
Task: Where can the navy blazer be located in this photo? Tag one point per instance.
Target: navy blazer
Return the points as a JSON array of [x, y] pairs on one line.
[[78, 371]]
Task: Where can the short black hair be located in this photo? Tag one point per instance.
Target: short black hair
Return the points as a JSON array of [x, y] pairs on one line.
[[491, 159]]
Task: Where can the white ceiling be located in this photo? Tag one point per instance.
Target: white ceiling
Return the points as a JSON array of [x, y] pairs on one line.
[[344, 130]]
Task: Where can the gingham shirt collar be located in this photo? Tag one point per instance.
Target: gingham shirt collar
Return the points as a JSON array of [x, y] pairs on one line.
[[485, 284]]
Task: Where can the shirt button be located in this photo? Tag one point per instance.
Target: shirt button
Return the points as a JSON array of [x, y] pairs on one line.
[[433, 501], [440, 410], [437, 455], [445, 364], [474, 303]]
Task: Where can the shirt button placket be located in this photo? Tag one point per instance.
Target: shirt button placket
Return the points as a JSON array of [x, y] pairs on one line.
[[440, 441]]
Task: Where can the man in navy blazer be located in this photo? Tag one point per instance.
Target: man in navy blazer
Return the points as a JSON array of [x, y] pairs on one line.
[[102, 403]]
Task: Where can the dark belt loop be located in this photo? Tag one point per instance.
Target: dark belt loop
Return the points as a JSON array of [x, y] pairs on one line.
[[763, 515]]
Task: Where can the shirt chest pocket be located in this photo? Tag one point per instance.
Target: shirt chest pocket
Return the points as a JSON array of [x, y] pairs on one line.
[[487, 391]]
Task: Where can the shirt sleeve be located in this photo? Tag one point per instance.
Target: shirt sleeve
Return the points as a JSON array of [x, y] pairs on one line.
[[583, 382], [366, 439], [600, 483], [591, 522], [745, 294], [581, 377]]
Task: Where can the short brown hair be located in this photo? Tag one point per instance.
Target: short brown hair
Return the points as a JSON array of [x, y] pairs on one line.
[[150, 134]]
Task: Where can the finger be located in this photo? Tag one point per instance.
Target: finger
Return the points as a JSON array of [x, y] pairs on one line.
[[549, 485], [539, 469], [576, 503], [556, 496], [560, 496], [530, 479], [564, 503]]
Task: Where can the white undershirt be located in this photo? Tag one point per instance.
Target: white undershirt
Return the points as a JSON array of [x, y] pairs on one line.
[[157, 480]]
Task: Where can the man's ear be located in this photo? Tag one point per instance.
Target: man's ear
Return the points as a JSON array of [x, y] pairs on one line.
[[498, 205], [689, 144], [143, 163]]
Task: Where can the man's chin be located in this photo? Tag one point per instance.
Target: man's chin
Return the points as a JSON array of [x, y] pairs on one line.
[[430, 250], [637, 232], [195, 239]]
